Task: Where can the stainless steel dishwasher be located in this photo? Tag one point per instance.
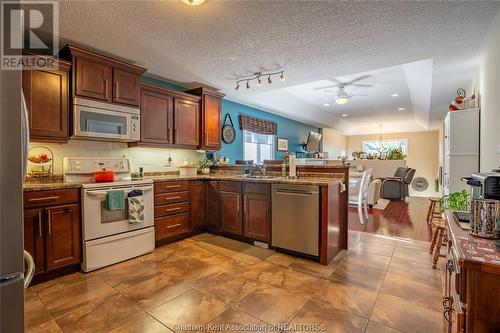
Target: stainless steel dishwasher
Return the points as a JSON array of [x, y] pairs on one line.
[[295, 218]]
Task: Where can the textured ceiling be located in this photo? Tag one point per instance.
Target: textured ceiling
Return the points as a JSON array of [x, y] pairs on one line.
[[313, 40]]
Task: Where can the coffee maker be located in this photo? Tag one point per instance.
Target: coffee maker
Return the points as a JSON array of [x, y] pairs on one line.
[[484, 185]]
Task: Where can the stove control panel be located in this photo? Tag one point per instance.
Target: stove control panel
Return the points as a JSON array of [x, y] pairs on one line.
[[88, 165]]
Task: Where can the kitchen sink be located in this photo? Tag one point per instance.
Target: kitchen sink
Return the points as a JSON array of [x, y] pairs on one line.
[[261, 177]]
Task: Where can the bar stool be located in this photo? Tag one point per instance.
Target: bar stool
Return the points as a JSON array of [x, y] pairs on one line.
[[437, 241], [432, 214]]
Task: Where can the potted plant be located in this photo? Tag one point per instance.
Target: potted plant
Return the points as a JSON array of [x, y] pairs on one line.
[[204, 166], [456, 201], [395, 154]]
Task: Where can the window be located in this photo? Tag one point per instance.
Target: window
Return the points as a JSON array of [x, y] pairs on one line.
[[258, 147], [372, 146]]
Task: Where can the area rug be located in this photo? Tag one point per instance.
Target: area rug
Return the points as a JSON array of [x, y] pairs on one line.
[[381, 204], [240, 247]]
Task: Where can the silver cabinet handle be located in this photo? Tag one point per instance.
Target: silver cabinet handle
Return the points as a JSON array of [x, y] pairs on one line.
[[172, 198], [173, 226], [55, 197], [40, 223], [172, 186], [49, 222], [238, 202], [173, 209]]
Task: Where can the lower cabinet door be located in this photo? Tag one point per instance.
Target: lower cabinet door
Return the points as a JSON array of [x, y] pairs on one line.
[[198, 203], [230, 212], [33, 237], [257, 216], [172, 225], [62, 235], [212, 208]]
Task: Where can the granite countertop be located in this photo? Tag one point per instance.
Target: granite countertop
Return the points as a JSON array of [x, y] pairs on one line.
[[315, 181]]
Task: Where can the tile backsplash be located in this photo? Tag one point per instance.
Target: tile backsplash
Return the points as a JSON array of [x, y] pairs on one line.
[[151, 159]]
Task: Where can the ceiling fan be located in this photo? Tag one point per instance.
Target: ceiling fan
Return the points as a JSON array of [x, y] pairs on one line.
[[342, 96]]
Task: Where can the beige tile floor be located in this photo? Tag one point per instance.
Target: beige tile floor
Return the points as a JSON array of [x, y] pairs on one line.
[[381, 285]]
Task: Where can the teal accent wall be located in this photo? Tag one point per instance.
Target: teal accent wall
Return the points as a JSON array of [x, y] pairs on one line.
[[296, 132]]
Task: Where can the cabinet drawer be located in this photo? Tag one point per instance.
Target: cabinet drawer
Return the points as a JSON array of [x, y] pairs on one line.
[[257, 188], [171, 225], [166, 187], [169, 198], [229, 186], [50, 198], [171, 209]]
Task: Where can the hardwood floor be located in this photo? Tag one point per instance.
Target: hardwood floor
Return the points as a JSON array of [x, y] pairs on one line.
[[195, 285], [406, 219]]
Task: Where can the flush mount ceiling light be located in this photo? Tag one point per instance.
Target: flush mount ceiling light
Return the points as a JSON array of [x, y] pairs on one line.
[[341, 99], [344, 115], [326, 104], [395, 95], [193, 2], [258, 77], [401, 109]]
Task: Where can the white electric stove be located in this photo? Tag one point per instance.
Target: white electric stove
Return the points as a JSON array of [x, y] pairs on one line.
[[108, 237]]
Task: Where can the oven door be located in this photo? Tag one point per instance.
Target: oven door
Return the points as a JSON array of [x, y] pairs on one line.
[[99, 222], [98, 123]]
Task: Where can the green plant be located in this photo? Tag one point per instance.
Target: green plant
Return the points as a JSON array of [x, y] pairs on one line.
[[204, 163], [436, 185], [455, 201], [395, 154]]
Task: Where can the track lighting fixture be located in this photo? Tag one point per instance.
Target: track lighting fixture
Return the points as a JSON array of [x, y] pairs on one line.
[[259, 76]]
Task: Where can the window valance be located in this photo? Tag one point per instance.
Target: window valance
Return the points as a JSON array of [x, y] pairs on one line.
[[257, 125]]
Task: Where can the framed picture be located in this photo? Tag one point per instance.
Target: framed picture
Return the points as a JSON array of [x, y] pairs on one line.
[[282, 144]]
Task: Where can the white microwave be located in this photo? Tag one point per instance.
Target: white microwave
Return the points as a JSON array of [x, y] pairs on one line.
[[104, 121]]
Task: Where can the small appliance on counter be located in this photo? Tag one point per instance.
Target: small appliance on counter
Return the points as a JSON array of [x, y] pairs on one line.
[[484, 185], [117, 216]]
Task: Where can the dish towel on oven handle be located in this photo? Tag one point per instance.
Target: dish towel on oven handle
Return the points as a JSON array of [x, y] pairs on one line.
[[135, 206]]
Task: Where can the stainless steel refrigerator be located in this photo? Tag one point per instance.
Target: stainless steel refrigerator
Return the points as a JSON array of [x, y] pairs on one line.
[[13, 150]]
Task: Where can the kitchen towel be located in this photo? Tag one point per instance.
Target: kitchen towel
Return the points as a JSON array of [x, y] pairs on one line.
[[115, 200], [136, 206]]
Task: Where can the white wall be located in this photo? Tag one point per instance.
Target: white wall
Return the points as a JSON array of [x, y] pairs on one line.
[[151, 159], [423, 154], [334, 143], [487, 84]]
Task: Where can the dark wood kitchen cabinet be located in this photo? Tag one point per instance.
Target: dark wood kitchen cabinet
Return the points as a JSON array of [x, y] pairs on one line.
[[46, 93], [257, 211], [230, 210], [156, 117], [52, 230], [210, 122], [168, 118], [197, 190], [62, 235], [212, 205], [33, 237], [186, 118], [103, 78]]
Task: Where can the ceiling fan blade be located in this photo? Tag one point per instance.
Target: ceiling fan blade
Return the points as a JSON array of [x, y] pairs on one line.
[[361, 85], [359, 79], [358, 95], [326, 87]]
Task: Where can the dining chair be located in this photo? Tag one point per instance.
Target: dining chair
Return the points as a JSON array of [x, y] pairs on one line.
[[361, 198]]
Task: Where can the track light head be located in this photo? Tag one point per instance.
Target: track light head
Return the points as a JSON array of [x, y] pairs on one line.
[[282, 77], [269, 79], [248, 85], [259, 82], [237, 86]]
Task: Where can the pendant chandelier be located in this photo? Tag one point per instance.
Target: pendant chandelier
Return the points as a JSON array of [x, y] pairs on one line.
[[381, 147]]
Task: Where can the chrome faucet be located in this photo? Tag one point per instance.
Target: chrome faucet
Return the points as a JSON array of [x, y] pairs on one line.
[[261, 167]]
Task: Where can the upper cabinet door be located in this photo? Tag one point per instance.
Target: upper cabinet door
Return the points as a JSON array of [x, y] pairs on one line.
[[186, 117], [93, 79], [211, 122], [126, 87], [156, 118], [47, 101]]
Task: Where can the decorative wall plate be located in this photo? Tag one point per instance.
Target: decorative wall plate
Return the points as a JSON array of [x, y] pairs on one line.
[[420, 184], [228, 132]]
